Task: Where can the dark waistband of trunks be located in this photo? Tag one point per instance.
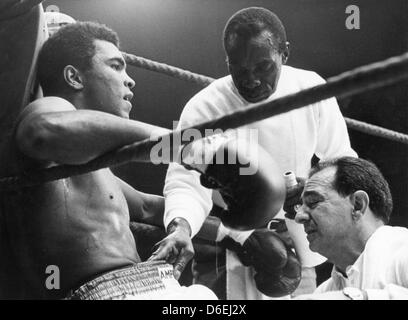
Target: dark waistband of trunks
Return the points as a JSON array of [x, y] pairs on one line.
[[138, 279]]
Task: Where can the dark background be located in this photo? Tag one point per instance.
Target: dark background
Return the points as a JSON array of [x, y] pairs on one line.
[[187, 34]]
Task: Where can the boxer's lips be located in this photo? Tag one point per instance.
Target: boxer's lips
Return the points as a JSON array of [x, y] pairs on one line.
[[128, 96]]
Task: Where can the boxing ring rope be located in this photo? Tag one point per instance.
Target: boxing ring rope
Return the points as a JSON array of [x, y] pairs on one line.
[[167, 69], [376, 130], [349, 83], [205, 81]]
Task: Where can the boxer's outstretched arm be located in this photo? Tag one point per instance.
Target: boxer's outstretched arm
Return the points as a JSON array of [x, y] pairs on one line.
[[51, 129]]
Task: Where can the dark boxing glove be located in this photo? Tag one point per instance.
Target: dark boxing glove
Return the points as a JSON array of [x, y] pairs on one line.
[[249, 182], [277, 269]]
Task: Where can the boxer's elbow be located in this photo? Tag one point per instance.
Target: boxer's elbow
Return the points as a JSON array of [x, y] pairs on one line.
[[33, 137], [41, 137]]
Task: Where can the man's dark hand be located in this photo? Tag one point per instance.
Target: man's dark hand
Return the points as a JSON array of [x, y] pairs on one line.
[[177, 248], [293, 198]]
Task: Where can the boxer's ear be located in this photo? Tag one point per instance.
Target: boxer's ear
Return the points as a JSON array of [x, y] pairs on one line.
[[73, 78]]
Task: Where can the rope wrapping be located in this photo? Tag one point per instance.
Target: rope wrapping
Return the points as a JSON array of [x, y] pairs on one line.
[[205, 81], [361, 79]]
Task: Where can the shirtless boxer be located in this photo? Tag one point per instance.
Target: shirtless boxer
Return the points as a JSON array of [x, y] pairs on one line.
[[79, 224]]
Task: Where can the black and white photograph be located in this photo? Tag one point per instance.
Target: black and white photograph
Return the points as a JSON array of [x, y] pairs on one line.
[[204, 153]]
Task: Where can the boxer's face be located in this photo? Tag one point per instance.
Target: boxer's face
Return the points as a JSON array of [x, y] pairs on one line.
[[325, 214], [255, 66], [107, 86]]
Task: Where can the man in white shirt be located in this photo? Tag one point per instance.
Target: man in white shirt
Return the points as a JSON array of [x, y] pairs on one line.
[[346, 204], [257, 51]]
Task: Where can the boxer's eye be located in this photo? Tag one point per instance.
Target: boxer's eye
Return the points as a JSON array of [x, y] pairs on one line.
[[116, 66]]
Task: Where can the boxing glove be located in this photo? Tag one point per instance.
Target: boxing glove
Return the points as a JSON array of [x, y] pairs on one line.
[[277, 269], [248, 180]]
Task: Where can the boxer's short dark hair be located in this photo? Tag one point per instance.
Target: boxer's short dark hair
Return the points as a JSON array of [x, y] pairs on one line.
[[251, 22], [354, 174], [73, 45]]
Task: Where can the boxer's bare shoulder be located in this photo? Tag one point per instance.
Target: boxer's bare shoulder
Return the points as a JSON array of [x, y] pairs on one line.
[[42, 105]]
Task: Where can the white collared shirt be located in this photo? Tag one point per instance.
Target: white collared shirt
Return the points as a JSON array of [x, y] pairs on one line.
[[381, 269]]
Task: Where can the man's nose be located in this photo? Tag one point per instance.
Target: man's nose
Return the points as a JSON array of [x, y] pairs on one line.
[[129, 82], [251, 82], [301, 215]]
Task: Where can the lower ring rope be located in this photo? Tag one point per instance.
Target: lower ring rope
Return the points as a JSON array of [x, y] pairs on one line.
[[353, 82], [205, 81]]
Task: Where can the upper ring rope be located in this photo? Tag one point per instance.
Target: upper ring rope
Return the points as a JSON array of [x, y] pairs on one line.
[[361, 79], [167, 69], [205, 81]]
